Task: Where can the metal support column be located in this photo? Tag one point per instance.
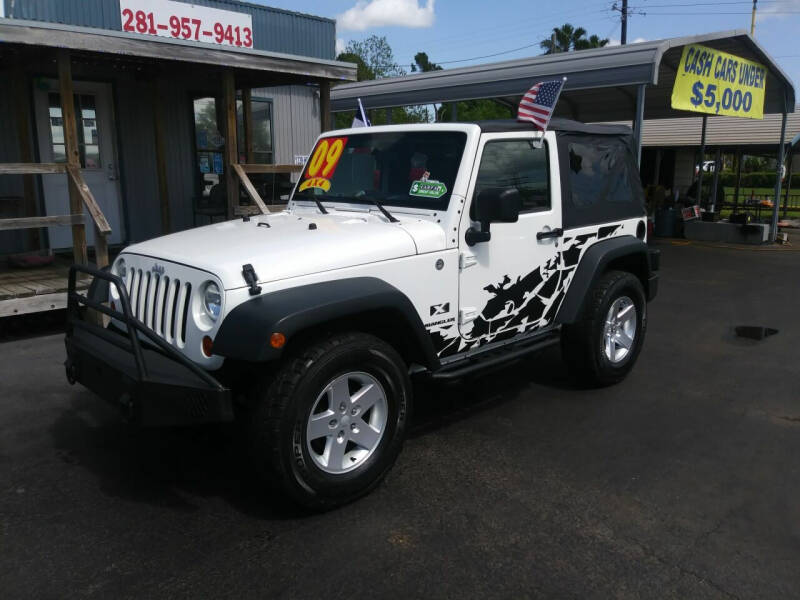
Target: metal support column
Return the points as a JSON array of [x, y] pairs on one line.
[[774, 229], [739, 159], [715, 180], [637, 124], [702, 160], [788, 182], [388, 116], [454, 113]]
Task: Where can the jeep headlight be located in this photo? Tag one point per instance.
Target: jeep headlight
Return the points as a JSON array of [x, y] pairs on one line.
[[212, 300], [120, 269]]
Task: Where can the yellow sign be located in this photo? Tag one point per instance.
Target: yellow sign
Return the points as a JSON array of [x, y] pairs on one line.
[[718, 83]]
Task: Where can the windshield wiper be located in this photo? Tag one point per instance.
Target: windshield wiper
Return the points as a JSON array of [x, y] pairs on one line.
[[319, 205], [385, 212]]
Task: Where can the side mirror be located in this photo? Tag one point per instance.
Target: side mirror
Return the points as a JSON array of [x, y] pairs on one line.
[[494, 205]]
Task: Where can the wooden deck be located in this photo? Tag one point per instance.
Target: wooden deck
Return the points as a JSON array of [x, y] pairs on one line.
[[38, 289]]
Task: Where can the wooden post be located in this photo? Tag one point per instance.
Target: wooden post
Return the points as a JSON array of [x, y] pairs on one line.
[[247, 116], [161, 158], [20, 81], [231, 147], [325, 105], [79, 252]]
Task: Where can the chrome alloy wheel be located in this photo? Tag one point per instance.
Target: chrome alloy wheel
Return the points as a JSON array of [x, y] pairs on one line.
[[619, 330], [347, 422]]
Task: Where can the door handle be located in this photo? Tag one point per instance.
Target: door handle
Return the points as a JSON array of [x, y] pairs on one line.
[[553, 233]]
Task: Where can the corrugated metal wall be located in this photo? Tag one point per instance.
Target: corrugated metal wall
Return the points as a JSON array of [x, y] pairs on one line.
[[295, 119], [274, 30]]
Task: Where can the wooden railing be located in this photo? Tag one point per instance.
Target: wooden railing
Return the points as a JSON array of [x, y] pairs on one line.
[[242, 171], [75, 220]]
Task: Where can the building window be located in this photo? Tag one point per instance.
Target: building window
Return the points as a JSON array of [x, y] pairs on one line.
[[88, 138], [209, 143], [261, 131]]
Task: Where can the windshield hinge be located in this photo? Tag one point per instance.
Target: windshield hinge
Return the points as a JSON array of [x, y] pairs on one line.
[[466, 260], [250, 277]]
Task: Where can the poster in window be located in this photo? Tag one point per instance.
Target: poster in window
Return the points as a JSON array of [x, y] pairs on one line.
[[202, 162], [217, 162]]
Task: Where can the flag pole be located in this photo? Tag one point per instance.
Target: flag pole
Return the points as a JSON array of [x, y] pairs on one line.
[[363, 114]]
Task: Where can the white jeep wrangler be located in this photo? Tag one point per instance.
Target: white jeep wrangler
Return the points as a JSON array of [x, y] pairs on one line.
[[405, 251]]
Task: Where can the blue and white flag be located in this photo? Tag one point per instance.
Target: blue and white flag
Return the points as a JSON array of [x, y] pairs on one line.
[[360, 119]]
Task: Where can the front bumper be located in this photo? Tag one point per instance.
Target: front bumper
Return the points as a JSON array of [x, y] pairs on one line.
[[154, 384]]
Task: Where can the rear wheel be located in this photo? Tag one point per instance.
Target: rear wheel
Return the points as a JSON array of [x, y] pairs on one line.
[[603, 345], [331, 423]]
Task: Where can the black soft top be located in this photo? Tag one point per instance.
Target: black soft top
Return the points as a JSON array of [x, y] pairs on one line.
[[556, 124]]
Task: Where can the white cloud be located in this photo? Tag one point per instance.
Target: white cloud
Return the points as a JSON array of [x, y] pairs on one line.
[[340, 46], [385, 13], [777, 9], [615, 42]]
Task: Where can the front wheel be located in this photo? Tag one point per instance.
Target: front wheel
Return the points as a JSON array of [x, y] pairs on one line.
[[331, 423], [603, 345]]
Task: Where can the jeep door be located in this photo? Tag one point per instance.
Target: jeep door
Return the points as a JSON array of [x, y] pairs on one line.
[[511, 284]]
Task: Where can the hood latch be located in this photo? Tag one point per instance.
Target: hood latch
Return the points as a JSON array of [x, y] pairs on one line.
[[249, 274]]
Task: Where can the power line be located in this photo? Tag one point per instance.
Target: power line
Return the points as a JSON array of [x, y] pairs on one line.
[[449, 62]]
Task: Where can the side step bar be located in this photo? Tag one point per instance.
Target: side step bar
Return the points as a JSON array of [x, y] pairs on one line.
[[493, 359]]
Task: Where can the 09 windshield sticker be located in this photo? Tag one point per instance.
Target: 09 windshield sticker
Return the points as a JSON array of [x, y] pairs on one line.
[[427, 188], [322, 164]]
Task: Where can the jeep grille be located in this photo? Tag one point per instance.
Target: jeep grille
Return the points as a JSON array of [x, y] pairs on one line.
[[160, 303]]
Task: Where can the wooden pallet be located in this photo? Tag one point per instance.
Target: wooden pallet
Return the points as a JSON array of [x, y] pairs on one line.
[[24, 291]]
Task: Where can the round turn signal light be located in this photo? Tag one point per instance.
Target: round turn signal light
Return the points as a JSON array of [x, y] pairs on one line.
[[208, 346], [277, 340]]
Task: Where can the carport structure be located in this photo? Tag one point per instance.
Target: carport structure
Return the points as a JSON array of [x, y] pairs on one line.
[[632, 82]]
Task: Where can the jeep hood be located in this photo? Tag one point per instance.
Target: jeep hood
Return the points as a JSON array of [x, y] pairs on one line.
[[286, 245]]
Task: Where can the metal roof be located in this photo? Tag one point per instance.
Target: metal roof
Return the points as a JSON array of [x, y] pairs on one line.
[[274, 29], [601, 82], [556, 124], [86, 39], [720, 131]]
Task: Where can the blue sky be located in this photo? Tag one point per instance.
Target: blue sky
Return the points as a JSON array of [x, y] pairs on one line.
[[454, 30]]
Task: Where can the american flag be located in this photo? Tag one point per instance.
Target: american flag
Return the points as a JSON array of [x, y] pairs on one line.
[[539, 102]]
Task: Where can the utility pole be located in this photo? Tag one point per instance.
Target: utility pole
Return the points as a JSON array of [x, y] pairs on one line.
[[624, 16], [753, 19]]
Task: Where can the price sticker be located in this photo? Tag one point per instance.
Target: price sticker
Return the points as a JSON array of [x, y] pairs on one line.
[[323, 163]]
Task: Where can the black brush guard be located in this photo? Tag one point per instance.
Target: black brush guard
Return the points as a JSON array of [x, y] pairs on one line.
[[154, 384]]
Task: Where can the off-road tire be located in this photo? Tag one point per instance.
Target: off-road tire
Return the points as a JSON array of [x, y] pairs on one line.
[[582, 342], [281, 406]]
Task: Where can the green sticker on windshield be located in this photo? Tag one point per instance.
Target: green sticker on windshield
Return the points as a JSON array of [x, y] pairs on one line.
[[425, 188]]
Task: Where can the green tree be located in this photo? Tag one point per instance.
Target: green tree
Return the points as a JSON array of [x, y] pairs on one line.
[[568, 38], [422, 63], [374, 59], [376, 55]]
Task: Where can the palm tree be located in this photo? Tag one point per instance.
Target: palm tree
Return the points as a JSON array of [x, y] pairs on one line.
[[569, 38], [592, 42]]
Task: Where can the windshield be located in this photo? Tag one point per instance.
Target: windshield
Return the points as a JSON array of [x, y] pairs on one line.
[[415, 169]]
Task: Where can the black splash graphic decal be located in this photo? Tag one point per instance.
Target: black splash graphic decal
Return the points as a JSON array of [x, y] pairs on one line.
[[532, 301], [607, 231]]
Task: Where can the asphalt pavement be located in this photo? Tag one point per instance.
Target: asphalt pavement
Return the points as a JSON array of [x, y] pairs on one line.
[[683, 481]]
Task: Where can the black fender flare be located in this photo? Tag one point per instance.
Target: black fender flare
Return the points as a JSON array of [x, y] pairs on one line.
[[592, 265], [245, 332]]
